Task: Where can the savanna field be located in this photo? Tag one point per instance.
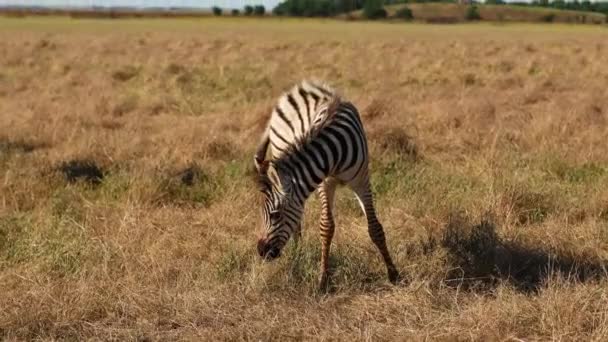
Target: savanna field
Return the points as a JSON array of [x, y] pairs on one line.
[[128, 209]]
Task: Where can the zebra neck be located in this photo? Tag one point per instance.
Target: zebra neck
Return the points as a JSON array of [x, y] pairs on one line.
[[301, 176]]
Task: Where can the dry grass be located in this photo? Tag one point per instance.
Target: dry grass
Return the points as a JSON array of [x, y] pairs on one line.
[[489, 157]]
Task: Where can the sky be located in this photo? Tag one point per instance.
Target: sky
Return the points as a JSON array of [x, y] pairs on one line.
[[269, 4]]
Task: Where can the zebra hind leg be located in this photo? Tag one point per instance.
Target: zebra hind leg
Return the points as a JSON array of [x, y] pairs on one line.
[[375, 230], [327, 191]]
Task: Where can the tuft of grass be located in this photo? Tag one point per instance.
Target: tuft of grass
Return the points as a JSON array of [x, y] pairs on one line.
[[186, 187], [398, 142], [585, 173], [350, 270], [57, 247], [13, 234], [126, 105], [9, 147], [528, 207], [125, 73], [233, 264]]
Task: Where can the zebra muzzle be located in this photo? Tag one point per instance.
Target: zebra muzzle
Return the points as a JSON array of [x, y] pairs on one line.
[[267, 252]]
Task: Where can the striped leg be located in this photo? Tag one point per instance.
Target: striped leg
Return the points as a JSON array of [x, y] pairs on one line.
[[327, 191], [376, 232]]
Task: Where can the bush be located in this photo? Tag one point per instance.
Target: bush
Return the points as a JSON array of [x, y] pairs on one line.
[[279, 10], [259, 10], [378, 14], [313, 8], [548, 18], [372, 9], [248, 10], [472, 13], [217, 10], [404, 13], [236, 12]]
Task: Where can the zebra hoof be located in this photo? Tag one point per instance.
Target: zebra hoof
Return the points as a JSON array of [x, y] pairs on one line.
[[324, 283], [393, 276]]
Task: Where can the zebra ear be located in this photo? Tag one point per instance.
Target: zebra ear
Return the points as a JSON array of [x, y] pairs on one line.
[[260, 164]]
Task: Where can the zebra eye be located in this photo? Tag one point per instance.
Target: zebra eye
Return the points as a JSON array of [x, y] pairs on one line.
[[274, 215]]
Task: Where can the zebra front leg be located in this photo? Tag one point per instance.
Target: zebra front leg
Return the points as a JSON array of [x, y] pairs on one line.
[[327, 191], [375, 230]]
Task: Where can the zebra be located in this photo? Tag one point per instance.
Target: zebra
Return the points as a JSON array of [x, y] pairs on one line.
[[316, 142]]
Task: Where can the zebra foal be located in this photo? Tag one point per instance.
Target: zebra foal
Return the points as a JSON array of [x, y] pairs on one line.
[[316, 142]]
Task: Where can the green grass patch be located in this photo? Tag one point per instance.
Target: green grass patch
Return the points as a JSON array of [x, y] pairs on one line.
[[13, 234], [350, 268], [428, 187], [234, 263], [202, 90], [58, 246], [205, 187], [586, 173]]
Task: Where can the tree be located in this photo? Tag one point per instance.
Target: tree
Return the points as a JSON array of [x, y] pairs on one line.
[[373, 9], [248, 10], [548, 18], [236, 12], [586, 5], [472, 13], [307, 8], [259, 10], [559, 4], [404, 13], [217, 10]]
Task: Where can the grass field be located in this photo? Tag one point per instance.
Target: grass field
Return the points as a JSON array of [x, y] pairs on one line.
[[490, 167]]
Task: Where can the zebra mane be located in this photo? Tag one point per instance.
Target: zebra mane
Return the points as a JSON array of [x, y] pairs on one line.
[[331, 101], [325, 117]]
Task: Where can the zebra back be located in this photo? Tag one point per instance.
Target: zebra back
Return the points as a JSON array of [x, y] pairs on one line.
[[298, 111]]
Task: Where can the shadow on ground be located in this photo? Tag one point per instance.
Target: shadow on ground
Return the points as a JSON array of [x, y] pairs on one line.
[[87, 170], [478, 259]]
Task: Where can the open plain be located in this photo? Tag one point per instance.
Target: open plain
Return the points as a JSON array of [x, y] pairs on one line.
[[128, 210]]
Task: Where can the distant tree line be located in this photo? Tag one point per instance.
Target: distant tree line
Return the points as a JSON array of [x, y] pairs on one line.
[[247, 10], [374, 9], [575, 5], [316, 8], [327, 8]]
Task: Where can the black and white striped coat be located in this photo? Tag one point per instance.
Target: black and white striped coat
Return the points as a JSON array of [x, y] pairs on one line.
[[316, 141]]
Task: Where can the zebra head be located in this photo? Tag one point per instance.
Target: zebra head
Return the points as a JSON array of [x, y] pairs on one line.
[[280, 212]]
